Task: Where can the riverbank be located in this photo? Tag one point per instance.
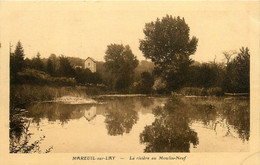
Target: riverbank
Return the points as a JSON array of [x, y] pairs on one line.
[[22, 95]]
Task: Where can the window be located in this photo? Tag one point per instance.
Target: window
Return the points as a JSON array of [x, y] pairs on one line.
[[88, 64]]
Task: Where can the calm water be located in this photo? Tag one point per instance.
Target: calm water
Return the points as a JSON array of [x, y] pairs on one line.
[[143, 124]]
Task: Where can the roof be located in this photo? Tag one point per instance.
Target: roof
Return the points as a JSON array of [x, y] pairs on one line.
[[91, 59]]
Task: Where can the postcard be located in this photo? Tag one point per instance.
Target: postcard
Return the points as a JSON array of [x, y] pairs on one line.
[[130, 82]]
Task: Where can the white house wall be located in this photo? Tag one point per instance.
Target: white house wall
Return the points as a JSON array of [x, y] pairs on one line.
[[91, 65]]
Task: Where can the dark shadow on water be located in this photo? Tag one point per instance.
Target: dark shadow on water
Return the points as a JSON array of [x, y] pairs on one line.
[[56, 111], [225, 112], [120, 116], [170, 132]]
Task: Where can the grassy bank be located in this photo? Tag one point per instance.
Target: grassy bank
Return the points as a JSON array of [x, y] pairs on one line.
[[189, 91], [22, 95]]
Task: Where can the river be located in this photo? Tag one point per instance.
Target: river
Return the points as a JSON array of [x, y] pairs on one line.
[[137, 124]]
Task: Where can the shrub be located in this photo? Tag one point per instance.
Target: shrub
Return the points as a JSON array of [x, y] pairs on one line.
[[216, 91], [36, 77], [188, 91]]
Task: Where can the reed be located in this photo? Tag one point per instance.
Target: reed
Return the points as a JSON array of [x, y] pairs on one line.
[[214, 91], [22, 95]]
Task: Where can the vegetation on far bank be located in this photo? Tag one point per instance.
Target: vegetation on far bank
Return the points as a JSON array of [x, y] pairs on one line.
[[167, 43]]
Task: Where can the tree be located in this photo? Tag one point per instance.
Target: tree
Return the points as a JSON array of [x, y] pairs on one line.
[[228, 55], [50, 67], [55, 62], [168, 44], [145, 84], [120, 62], [16, 61], [84, 76], [65, 68], [36, 62], [237, 73]]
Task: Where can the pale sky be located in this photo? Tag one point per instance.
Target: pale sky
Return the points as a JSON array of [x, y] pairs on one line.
[[82, 29]]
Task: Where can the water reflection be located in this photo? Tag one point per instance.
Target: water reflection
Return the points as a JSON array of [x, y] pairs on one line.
[[61, 112], [238, 115], [120, 116], [147, 102], [230, 113], [170, 132], [149, 124]]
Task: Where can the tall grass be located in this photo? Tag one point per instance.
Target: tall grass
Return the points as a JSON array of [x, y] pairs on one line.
[[21, 95], [214, 91]]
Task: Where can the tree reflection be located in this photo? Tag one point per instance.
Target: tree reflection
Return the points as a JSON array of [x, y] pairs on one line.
[[146, 102], [120, 116], [170, 132], [231, 113], [238, 115], [55, 111]]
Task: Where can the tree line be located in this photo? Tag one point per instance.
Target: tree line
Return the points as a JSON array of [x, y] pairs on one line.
[[168, 44]]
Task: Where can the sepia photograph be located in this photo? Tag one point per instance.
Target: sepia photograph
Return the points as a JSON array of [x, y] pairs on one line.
[[100, 77]]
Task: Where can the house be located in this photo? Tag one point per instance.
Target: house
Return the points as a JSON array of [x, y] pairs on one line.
[[90, 63], [90, 113]]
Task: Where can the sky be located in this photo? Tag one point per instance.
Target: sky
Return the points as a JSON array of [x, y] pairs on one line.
[[84, 29]]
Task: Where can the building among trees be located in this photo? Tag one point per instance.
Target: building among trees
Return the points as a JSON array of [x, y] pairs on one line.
[[91, 64]]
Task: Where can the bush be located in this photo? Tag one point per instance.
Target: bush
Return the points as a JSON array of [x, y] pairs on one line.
[[62, 81], [36, 77], [188, 91], [216, 91], [144, 86]]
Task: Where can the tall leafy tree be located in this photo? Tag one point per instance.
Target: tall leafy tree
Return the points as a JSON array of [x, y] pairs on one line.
[[120, 62], [168, 44], [55, 62]]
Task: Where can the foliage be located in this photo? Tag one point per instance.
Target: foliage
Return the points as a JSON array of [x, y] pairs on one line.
[[143, 66], [168, 44], [36, 63], [171, 68], [65, 69], [23, 95], [85, 76], [50, 68], [120, 62], [206, 75], [237, 73], [16, 62], [20, 135], [76, 61], [36, 77], [159, 86], [187, 91], [55, 61], [146, 83]]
